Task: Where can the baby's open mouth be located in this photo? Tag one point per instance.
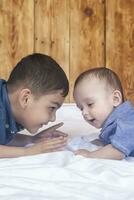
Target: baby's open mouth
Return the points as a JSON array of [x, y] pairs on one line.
[[91, 120]]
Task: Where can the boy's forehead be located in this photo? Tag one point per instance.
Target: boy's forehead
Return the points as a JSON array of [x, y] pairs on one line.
[[55, 98]]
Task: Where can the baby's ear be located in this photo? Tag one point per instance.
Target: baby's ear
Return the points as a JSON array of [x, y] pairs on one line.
[[117, 98], [24, 97]]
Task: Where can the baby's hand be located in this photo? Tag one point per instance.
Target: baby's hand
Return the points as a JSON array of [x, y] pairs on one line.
[[83, 152]]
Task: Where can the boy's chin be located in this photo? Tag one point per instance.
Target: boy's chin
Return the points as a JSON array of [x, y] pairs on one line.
[[33, 131]]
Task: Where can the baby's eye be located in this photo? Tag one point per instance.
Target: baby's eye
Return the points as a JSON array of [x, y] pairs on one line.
[[90, 104]]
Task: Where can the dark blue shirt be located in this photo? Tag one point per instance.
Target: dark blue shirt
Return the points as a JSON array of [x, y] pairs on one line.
[[118, 129], [8, 126]]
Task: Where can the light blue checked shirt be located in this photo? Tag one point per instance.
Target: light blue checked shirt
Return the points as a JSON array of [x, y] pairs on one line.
[[118, 129]]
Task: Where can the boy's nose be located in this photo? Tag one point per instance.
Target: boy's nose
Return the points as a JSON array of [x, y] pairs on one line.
[[53, 118]]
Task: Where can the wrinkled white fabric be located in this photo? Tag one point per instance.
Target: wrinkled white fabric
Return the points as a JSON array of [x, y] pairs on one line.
[[62, 175]]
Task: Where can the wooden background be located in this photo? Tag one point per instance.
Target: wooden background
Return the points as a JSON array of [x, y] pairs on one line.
[[79, 34]]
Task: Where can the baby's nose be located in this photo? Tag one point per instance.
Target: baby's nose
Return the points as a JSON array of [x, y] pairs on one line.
[[85, 112]]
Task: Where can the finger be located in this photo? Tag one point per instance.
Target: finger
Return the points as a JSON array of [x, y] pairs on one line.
[[77, 152], [59, 133], [52, 128], [51, 140], [57, 149], [54, 141], [54, 147]]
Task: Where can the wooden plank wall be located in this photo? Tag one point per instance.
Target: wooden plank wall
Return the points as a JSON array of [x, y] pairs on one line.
[[16, 32], [52, 30], [79, 34], [120, 42], [86, 37]]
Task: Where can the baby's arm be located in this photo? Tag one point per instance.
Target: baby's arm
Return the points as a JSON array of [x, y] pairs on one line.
[[97, 142], [106, 152]]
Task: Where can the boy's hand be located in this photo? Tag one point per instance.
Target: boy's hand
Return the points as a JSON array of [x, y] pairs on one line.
[[49, 133], [49, 145]]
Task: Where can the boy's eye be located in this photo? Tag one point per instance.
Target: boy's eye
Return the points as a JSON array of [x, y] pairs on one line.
[[52, 108]]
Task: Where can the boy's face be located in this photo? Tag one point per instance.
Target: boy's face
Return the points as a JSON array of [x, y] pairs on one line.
[[41, 111], [95, 100]]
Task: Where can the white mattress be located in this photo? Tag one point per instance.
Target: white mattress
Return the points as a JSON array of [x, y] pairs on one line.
[[64, 176]]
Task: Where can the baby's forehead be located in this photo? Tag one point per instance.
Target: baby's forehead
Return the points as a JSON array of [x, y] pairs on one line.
[[94, 80], [95, 84]]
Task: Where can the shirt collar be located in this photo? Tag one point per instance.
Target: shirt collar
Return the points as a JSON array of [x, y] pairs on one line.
[[120, 110], [14, 127]]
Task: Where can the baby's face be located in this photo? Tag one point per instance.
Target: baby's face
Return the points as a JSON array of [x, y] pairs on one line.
[[95, 101], [41, 111]]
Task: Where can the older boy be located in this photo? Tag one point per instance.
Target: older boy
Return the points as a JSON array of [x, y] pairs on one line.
[[30, 98]]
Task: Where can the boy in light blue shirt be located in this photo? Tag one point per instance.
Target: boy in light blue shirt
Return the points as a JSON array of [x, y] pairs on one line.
[[99, 95]]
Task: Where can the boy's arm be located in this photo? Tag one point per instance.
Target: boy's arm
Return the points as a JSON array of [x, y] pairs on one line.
[[10, 152], [51, 132], [106, 152], [20, 140], [50, 145]]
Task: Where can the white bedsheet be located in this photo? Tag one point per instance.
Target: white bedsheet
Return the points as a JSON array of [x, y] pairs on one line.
[[64, 176]]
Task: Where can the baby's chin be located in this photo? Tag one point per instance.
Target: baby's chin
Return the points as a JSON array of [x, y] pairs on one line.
[[94, 124], [98, 126]]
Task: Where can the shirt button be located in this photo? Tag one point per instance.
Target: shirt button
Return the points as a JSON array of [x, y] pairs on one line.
[[12, 132], [6, 125]]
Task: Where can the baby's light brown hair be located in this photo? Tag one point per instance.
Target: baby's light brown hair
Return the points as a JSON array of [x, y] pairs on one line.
[[102, 73]]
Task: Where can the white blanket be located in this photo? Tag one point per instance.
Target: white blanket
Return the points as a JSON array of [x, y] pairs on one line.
[[64, 176]]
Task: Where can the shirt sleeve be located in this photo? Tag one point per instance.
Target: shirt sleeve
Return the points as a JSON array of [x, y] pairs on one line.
[[123, 139]]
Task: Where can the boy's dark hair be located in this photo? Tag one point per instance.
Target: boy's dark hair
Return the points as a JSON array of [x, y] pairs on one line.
[[40, 73], [102, 73]]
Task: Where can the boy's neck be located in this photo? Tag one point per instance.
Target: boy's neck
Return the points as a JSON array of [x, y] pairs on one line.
[[14, 103]]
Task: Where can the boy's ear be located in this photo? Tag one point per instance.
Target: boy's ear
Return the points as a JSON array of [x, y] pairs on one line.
[[117, 98], [24, 97]]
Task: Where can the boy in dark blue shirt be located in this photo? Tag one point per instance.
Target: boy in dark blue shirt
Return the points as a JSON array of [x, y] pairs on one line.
[[30, 98]]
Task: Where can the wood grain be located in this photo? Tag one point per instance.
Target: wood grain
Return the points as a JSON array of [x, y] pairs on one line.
[[52, 30], [86, 37], [120, 42], [78, 34], [16, 33]]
